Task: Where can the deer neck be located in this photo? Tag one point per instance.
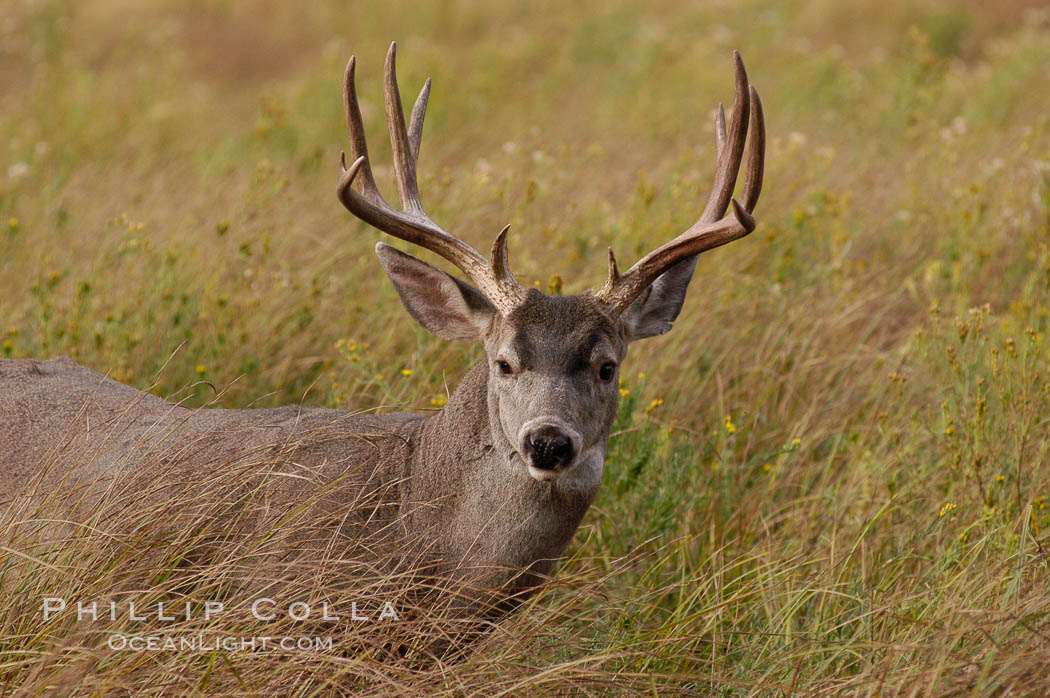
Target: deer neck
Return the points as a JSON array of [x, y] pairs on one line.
[[475, 493]]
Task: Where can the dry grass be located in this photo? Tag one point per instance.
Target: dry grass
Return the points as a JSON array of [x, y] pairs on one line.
[[872, 354]]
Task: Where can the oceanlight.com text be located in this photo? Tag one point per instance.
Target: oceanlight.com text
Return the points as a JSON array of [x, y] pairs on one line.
[[200, 643]]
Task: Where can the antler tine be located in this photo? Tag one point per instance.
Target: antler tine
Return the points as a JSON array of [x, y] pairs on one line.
[[413, 225], [355, 125], [712, 229], [500, 258], [731, 151], [419, 112], [756, 153], [404, 162]]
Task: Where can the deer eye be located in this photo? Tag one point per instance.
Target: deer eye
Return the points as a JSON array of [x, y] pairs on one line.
[[607, 370], [504, 367]]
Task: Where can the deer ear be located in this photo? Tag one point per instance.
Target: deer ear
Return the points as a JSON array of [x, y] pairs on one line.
[[654, 311], [438, 301]]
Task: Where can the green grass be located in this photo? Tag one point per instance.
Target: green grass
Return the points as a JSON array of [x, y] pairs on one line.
[[844, 487]]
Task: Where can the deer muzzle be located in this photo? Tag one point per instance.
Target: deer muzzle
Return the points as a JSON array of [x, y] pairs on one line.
[[549, 444]]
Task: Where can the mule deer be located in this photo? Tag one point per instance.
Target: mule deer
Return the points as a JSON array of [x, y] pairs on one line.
[[496, 483]]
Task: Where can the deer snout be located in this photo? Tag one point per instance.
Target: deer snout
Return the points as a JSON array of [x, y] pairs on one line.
[[549, 446]]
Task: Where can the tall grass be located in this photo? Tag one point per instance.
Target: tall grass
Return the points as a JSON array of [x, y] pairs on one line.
[[830, 477]]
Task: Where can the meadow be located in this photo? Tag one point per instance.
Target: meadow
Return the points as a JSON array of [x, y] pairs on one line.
[[830, 478]]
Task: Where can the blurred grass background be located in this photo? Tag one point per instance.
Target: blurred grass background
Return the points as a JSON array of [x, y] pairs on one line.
[[836, 463]]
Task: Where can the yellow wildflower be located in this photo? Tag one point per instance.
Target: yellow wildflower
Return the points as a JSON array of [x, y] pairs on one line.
[[947, 509], [406, 372], [201, 369], [730, 427]]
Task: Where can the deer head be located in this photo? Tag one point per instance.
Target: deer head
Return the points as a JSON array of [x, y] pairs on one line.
[[553, 361]]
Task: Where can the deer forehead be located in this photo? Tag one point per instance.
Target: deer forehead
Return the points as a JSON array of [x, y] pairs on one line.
[[559, 328]]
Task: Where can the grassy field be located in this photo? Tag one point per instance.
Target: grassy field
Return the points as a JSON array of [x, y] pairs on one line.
[[829, 478]]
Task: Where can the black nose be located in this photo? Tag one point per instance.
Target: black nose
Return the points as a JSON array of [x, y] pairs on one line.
[[548, 447]]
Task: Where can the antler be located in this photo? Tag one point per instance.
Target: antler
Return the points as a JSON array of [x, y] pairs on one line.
[[412, 224], [712, 229]]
